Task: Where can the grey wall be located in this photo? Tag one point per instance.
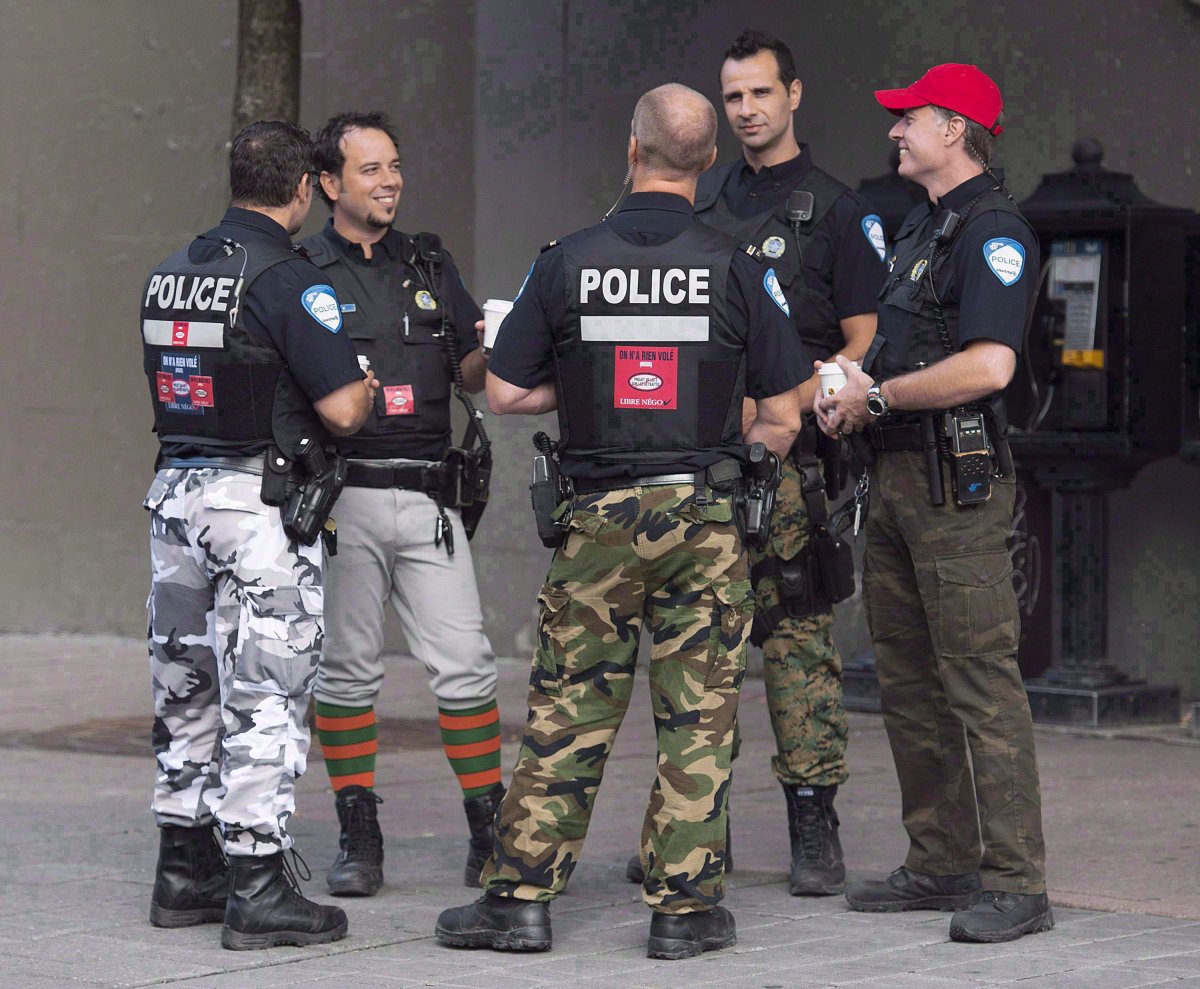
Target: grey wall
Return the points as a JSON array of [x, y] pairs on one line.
[[514, 118]]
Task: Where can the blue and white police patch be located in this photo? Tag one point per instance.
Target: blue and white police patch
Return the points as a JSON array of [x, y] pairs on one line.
[[771, 284], [1006, 258], [322, 305], [525, 282], [872, 226], [773, 247], [425, 300]]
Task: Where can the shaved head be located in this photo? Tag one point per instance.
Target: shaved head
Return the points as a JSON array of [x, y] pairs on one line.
[[676, 131]]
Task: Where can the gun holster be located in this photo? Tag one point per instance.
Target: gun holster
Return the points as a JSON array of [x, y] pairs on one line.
[[467, 480], [311, 503], [754, 502]]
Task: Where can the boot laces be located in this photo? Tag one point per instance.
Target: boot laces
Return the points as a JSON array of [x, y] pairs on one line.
[[297, 870], [362, 827], [810, 827]]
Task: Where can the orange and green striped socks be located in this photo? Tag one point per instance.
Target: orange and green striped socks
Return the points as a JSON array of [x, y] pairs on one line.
[[471, 738], [349, 742]]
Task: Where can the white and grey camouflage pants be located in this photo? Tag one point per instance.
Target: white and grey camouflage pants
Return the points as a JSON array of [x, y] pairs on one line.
[[235, 630]]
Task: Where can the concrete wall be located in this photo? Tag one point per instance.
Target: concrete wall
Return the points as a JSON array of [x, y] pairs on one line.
[[514, 117]]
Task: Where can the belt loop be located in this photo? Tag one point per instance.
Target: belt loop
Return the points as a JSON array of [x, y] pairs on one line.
[[698, 480]]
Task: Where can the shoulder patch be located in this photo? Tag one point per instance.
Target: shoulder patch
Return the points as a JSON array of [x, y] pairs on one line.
[[872, 227], [775, 291], [521, 290], [1006, 259], [321, 303]]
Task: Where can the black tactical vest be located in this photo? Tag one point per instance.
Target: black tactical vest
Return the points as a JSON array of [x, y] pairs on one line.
[[812, 314], [411, 415], [648, 365], [213, 384], [908, 316]]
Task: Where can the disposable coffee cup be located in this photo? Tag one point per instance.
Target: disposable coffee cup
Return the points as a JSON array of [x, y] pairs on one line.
[[494, 311], [832, 378]]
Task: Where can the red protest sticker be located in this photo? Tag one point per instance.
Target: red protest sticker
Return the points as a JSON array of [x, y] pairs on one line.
[[179, 334], [202, 390], [165, 380], [398, 400], [646, 378]]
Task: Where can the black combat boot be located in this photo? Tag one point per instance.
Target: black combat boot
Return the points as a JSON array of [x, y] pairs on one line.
[[683, 935], [192, 879], [496, 922], [358, 868], [817, 867], [481, 818], [636, 874], [266, 908], [999, 916], [908, 890]]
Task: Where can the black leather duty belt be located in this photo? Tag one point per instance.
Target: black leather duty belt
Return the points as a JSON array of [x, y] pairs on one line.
[[618, 483], [407, 477], [247, 465], [895, 436]]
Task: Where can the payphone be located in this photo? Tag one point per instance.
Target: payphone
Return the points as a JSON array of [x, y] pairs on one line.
[[1106, 383]]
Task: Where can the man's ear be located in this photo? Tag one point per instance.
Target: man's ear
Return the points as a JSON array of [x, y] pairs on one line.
[[956, 127], [330, 183], [794, 92]]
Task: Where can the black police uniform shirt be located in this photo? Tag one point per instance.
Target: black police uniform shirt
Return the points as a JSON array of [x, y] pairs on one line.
[[844, 262], [523, 355], [380, 299], [990, 275], [320, 359]]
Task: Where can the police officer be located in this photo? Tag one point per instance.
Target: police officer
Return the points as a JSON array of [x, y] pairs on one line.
[[249, 372], [400, 537], [937, 582], [645, 332], [826, 245]]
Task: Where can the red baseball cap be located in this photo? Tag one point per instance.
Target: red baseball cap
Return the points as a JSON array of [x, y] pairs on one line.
[[965, 89]]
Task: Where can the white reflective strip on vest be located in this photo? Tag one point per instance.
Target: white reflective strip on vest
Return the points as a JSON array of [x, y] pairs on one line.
[[166, 333], [644, 329]]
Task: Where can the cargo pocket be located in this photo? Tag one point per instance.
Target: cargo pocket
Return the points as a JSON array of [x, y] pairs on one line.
[[279, 638], [547, 674], [976, 604], [732, 607]]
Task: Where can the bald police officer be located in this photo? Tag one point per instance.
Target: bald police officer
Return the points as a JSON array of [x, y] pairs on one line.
[[938, 577], [826, 244], [249, 373], [645, 333]]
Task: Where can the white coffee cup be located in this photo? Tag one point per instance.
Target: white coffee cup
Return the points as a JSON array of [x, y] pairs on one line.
[[494, 311], [832, 378]]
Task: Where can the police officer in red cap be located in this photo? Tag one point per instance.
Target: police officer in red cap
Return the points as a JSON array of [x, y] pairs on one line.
[[937, 579]]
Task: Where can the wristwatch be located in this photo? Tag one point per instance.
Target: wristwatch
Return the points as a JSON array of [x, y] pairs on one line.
[[877, 405]]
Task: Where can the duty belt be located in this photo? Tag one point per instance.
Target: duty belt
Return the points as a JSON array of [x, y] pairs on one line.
[[585, 486], [895, 436], [247, 465], [407, 477]]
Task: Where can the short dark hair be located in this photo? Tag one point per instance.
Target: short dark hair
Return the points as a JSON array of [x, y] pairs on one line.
[[750, 42], [267, 160], [328, 155]]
